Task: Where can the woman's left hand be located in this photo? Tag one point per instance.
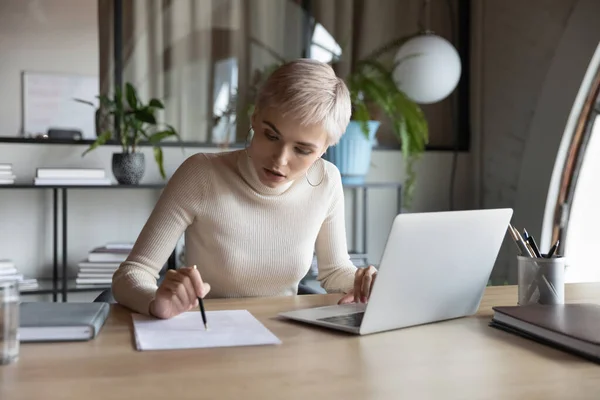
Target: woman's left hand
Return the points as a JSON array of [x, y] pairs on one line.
[[363, 283]]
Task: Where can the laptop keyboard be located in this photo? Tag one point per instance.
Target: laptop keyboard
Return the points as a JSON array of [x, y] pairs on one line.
[[354, 319]]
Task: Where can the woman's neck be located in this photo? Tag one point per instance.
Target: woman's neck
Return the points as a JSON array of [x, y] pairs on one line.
[[249, 174]]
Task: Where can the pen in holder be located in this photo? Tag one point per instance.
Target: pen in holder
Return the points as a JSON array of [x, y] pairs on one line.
[[541, 280], [540, 276]]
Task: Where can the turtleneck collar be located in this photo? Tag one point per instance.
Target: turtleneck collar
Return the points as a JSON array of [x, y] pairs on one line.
[[249, 175]]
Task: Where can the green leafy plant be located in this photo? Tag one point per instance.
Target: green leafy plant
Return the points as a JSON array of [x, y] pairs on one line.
[[372, 87], [137, 122]]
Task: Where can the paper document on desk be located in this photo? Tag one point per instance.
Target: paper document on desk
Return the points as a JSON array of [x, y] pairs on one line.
[[186, 331]]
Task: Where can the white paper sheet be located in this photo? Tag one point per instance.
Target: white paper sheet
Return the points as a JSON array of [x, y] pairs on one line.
[[186, 331]]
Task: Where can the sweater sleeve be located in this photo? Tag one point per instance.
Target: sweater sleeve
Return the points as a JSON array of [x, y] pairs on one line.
[[336, 271], [134, 284]]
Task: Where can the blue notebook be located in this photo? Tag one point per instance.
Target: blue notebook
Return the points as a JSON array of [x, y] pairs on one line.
[[45, 321]]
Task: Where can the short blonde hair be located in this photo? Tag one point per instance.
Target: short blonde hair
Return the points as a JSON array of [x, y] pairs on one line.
[[309, 91]]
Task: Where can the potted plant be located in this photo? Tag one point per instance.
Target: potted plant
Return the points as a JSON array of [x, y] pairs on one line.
[[137, 122]]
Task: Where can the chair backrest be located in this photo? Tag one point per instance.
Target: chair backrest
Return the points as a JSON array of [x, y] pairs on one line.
[[105, 297]]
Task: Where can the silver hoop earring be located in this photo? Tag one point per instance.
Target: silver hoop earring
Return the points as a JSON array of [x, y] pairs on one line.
[[250, 133], [323, 172]]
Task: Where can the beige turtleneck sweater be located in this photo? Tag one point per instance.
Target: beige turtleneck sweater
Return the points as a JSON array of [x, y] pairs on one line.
[[246, 239]]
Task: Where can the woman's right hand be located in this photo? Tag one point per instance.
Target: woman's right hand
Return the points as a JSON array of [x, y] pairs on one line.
[[178, 292]]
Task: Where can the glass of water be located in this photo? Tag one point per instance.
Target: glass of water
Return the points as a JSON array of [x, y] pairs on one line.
[[9, 321]]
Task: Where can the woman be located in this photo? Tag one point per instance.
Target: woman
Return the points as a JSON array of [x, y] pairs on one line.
[[253, 218]]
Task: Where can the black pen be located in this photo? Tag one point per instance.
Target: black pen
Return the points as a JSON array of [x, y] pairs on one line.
[[202, 311], [553, 249], [534, 247]]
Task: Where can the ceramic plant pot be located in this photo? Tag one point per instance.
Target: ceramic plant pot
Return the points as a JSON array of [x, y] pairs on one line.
[[128, 168], [352, 154]]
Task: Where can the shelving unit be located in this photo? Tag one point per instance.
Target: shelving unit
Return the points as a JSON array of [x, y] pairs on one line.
[[363, 251], [60, 284]]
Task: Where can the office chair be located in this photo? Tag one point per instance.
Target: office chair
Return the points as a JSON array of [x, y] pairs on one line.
[[105, 297]]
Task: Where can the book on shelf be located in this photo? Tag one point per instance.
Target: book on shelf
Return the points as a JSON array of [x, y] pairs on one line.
[[11, 277], [7, 177], [87, 266], [94, 281], [71, 181], [61, 173], [7, 267], [71, 176], [119, 245], [9, 272], [104, 254], [28, 284], [100, 265], [95, 275], [99, 285], [101, 276], [97, 272]]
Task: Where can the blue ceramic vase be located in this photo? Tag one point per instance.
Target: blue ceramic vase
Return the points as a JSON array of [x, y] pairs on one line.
[[352, 155]]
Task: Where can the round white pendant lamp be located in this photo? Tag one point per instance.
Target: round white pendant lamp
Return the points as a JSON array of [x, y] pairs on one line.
[[428, 68]]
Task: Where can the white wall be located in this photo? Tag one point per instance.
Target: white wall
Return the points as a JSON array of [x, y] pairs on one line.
[[43, 36]]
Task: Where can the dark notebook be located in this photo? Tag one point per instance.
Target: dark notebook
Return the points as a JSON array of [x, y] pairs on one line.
[[574, 328], [45, 321]]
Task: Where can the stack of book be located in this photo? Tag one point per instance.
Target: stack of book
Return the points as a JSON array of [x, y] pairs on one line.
[[102, 262], [71, 176], [8, 272], [6, 174]]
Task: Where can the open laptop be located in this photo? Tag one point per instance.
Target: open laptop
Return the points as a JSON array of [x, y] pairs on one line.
[[435, 266]]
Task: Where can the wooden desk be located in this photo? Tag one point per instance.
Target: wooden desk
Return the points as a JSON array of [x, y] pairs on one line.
[[458, 359]]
